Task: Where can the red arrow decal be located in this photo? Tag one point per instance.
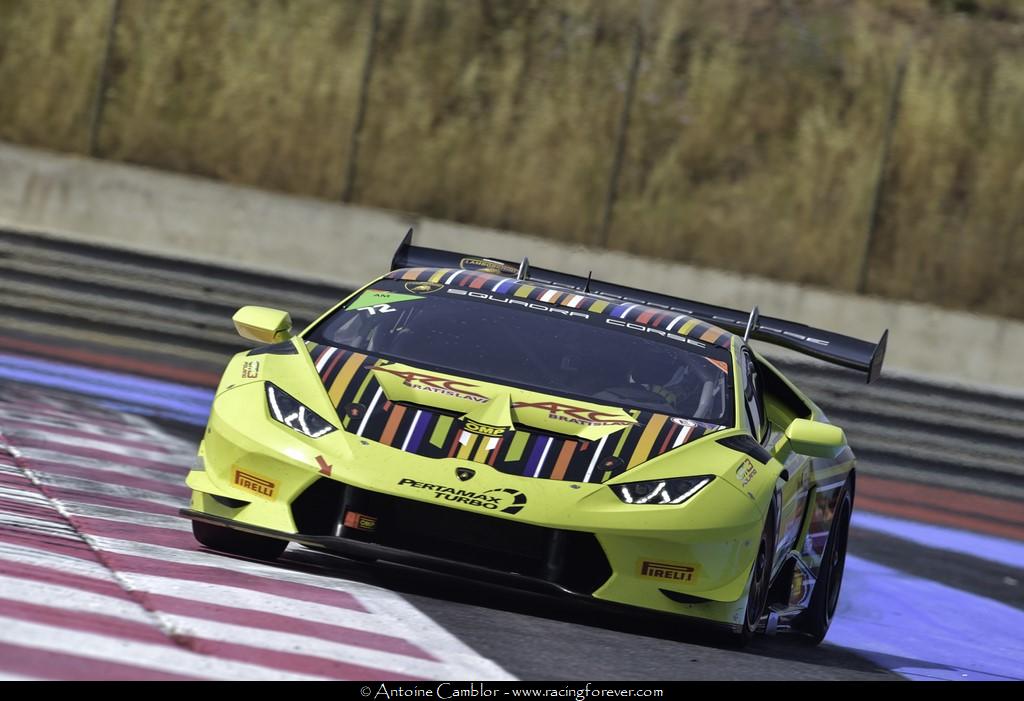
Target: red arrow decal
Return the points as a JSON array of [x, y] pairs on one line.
[[324, 467]]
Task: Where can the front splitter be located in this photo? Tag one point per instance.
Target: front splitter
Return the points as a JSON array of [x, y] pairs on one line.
[[359, 550]]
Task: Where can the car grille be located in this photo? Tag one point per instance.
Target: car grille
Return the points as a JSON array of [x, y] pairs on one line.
[[571, 559]]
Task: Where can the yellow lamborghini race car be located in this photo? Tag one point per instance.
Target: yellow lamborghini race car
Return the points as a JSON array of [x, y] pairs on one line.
[[484, 418]]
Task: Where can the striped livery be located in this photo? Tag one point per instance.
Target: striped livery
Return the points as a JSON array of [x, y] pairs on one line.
[[652, 317], [366, 411]]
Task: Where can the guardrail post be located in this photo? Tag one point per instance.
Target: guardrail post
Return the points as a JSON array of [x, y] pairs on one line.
[[102, 79], [883, 170], [621, 135], [364, 96]]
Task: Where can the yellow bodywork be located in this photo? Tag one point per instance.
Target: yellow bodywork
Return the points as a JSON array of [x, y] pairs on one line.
[[703, 548]]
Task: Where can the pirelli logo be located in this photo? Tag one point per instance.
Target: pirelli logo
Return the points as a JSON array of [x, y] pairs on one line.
[[262, 486], [672, 571]]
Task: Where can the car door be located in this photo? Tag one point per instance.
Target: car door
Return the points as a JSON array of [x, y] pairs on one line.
[[774, 417]]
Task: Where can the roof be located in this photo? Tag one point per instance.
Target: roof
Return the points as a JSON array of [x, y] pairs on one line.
[[651, 317]]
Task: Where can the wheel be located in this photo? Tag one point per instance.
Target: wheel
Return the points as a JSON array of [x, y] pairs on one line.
[[760, 581], [235, 542], [825, 597]]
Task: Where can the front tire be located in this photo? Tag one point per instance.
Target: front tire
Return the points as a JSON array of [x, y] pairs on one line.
[[235, 542], [760, 582], [815, 621]]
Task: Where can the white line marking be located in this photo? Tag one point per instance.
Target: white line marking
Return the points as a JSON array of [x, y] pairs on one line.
[[597, 454], [396, 613], [543, 456], [324, 358], [119, 515], [39, 526], [275, 641], [412, 429], [57, 561], [167, 658], [74, 443], [369, 411], [66, 598], [172, 475], [108, 489]]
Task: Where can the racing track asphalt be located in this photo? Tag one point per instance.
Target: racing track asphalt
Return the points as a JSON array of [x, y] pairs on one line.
[[538, 637]]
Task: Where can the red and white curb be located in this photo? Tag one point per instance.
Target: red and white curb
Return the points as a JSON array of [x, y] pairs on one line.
[[101, 579]]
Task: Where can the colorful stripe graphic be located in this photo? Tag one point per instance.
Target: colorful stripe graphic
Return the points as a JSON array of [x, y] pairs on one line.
[[630, 311], [367, 412]]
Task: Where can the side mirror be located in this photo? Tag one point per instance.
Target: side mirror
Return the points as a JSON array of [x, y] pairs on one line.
[[814, 438], [263, 324]]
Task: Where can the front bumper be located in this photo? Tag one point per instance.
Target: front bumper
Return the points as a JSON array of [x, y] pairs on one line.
[[349, 547], [568, 537]]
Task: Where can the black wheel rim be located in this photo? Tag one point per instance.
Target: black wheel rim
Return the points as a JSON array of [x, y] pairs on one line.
[[758, 585], [838, 559]]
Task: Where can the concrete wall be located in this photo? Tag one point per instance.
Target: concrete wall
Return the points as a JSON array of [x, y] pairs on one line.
[[193, 218]]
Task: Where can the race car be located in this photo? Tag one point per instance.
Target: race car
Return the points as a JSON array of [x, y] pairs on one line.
[[485, 418]]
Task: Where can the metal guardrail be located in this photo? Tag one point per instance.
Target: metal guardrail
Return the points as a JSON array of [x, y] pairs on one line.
[[902, 426]]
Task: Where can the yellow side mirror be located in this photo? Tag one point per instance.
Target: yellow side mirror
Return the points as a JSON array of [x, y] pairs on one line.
[[263, 324], [814, 438]]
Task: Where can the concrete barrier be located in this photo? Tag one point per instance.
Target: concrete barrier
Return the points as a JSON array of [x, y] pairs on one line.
[[198, 219]]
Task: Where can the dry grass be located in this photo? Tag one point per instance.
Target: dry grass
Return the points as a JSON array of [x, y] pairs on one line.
[[253, 92], [755, 140], [497, 113], [50, 55]]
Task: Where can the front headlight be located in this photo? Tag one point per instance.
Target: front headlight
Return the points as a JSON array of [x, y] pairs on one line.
[[293, 414], [669, 491]]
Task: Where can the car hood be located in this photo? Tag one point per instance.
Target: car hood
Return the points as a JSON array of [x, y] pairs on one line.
[[516, 431]]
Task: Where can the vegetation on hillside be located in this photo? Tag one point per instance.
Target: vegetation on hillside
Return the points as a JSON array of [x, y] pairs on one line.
[[857, 144]]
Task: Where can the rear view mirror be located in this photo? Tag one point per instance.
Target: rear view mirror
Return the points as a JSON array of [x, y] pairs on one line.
[[263, 324], [814, 438]]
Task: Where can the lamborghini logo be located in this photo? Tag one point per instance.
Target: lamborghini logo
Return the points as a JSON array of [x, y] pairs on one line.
[[464, 473], [423, 288], [488, 266]]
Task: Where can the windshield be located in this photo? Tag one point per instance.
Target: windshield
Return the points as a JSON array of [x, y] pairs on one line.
[[539, 347]]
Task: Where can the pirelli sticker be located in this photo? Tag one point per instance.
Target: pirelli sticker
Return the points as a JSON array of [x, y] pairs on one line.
[[667, 571], [257, 484]]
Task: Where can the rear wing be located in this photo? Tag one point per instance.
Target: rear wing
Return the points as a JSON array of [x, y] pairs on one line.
[[828, 346]]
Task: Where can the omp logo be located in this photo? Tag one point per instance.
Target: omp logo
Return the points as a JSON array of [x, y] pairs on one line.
[[360, 522], [257, 485], [667, 570], [484, 429], [431, 383], [575, 414]]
